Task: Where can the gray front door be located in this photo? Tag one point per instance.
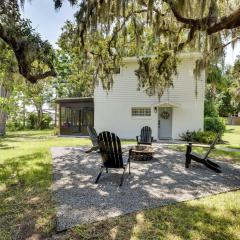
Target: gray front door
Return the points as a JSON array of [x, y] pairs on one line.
[[165, 123]]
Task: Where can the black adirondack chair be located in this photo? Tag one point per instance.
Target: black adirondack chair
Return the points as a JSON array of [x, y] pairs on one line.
[[111, 152], [202, 159], [145, 136], [93, 136]]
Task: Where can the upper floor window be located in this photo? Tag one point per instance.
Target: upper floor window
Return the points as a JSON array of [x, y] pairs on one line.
[[141, 111], [116, 70]]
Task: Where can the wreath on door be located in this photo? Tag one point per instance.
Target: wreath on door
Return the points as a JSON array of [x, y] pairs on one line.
[[165, 114]]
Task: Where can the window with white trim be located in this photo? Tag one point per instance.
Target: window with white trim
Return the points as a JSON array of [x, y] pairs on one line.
[[141, 111]]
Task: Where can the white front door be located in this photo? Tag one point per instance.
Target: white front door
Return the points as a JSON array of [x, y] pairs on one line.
[[165, 123]]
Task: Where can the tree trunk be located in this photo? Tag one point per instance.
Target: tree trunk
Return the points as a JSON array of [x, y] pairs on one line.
[[24, 114], [3, 113], [55, 115], [3, 120], [39, 117]]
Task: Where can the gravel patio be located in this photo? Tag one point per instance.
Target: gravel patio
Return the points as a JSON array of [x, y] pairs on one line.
[[164, 180]]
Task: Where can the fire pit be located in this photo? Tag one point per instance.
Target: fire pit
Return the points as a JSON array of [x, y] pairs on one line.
[[142, 153]]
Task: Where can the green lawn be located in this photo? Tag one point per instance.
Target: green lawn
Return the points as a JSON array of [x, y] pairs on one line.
[[27, 208], [232, 136], [25, 180], [210, 218]]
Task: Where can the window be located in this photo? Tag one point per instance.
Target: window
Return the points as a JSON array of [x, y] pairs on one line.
[[141, 112], [116, 70]]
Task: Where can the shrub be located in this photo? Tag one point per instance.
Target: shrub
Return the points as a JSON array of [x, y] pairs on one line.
[[205, 137], [214, 124], [46, 121], [198, 136], [32, 121], [210, 109], [187, 136], [10, 126], [13, 125]]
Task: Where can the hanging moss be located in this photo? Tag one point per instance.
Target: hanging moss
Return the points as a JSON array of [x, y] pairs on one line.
[[199, 67]]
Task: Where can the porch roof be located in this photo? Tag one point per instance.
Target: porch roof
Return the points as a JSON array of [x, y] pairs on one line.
[[166, 104], [74, 99]]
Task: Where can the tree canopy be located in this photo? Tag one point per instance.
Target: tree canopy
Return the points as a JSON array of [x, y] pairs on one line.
[[107, 29], [34, 56]]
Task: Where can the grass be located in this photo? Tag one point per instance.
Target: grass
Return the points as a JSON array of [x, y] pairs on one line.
[[27, 207], [25, 181], [214, 217], [232, 136]]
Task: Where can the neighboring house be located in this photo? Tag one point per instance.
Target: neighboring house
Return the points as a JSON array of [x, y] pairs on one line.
[[124, 110]]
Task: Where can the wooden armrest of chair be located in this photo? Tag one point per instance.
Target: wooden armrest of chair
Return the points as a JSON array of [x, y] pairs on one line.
[[198, 145]]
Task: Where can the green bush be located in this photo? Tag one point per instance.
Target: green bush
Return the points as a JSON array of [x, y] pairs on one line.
[[46, 121], [13, 125], [10, 126], [214, 124], [32, 121], [198, 136], [187, 136], [210, 109]]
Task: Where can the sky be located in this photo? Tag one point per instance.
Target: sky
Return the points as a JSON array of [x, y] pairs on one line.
[[48, 22]]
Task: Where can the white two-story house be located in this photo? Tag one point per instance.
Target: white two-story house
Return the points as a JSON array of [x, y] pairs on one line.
[[124, 110]]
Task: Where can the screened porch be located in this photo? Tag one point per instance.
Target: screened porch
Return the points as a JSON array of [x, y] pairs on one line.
[[75, 114]]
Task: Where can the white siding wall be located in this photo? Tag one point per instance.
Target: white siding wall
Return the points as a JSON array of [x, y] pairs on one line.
[[113, 109]]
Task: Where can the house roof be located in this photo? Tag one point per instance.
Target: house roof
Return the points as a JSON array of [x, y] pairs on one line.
[[193, 55], [76, 99]]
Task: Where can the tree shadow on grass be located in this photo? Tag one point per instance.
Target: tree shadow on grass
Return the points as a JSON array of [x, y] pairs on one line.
[[26, 203], [4, 146], [19, 137], [230, 130], [177, 221], [25, 168]]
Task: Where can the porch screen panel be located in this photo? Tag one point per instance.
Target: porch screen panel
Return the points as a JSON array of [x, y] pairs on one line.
[[75, 121], [66, 117]]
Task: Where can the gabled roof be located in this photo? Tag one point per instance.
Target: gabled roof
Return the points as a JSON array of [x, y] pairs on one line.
[[166, 104]]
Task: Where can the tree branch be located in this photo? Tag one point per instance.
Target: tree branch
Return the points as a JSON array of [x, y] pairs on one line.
[[209, 25], [223, 46], [229, 22], [180, 18], [190, 37], [20, 51]]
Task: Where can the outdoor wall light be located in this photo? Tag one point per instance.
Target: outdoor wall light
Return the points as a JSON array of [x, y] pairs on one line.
[[155, 109]]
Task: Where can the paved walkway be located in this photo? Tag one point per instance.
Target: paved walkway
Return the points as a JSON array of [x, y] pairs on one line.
[[162, 181]]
